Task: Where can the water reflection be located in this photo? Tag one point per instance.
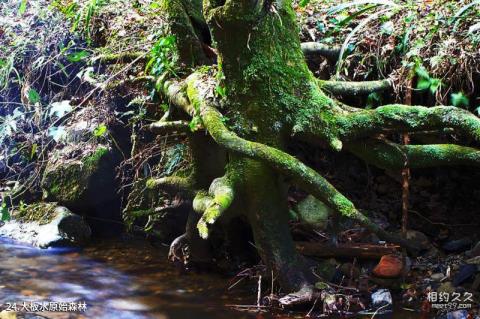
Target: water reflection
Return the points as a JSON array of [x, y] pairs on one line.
[[121, 280]]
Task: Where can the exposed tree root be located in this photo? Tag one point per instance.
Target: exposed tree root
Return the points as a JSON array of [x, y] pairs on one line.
[[354, 88], [388, 155], [212, 205], [289, 166], [315, 48], [173, 185], [404, 118], [164, 127], [122, 57]]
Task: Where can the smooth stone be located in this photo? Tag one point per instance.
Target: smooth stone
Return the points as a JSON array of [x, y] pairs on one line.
[[437, 276], [457, 245], [65, 229], [419, 238], [464, 273]]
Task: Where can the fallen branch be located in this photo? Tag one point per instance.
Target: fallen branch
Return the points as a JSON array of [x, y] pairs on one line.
[[363, 251]]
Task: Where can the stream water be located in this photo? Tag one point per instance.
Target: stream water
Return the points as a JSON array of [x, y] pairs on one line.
[[115, 280]]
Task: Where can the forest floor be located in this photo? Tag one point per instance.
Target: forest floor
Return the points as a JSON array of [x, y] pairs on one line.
[[74, 72]]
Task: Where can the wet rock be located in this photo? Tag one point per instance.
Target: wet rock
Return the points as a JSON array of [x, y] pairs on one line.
[[60, 228], [474, 252], [457, 245], [390, 266], [464, 273], [419, 238], [313, 212]]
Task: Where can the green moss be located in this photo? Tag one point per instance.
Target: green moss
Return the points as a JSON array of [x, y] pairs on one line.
[[43, 213], [68, 181]]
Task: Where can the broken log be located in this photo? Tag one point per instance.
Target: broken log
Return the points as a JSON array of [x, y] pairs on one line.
[[359, 250]]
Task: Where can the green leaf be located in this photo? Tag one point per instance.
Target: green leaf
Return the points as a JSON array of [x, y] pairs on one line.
[[100, 130], [459, 99], [33, 96], [221, 91], [423, 84], [435, 84], [387, 28], [422, 72], [5, 213], [195, 123], [59, 109], [77, 56], [33, 152], [303, 3], [22, 8]]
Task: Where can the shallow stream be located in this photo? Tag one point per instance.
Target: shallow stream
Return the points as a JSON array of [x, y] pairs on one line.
[[123, 279]]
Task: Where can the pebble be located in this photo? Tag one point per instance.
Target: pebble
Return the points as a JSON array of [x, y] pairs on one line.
[[437, 276]]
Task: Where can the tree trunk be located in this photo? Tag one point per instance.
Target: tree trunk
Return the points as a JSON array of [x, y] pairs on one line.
[[265, 78]]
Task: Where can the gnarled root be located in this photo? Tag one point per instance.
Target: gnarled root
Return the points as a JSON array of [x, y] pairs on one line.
[[176, 247], [289, 166], [388, 155], [354, 88], [211, 205]]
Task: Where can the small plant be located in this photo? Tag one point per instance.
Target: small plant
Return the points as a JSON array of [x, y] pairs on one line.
[[8, 124], [459, 99], [426, 82], [161, 57]]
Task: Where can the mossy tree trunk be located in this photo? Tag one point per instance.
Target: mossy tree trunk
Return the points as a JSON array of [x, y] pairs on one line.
[[271, 98]]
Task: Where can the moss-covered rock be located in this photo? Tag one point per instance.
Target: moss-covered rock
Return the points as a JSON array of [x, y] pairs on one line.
[[42, 213], [80, 176], [47, 225], [313, 212]]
